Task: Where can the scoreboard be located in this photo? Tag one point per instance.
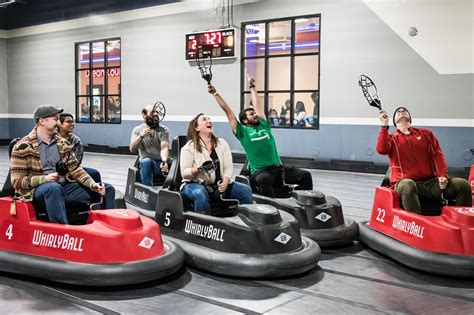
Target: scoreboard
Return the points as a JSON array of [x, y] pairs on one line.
[[218, 43]]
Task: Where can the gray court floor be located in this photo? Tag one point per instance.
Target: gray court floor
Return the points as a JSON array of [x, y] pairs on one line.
[[348, 280]]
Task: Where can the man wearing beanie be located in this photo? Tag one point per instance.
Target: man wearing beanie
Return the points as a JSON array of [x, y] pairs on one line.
[[418, 167], [45, 171]]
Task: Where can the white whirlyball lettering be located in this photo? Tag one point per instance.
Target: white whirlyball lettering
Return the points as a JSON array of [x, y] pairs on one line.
[[205, 231], [408, 227], [141, 195], [465, 210], [64, 242]]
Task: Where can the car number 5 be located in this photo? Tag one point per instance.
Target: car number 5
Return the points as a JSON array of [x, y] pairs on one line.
[[167, 219]]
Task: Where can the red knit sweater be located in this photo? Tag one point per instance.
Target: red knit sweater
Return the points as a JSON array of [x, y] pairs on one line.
[[416, 156]]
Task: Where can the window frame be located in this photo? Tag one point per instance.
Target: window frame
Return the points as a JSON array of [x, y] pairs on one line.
[[105, 94], [267, 56]]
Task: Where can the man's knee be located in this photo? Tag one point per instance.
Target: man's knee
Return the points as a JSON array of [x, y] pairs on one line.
[[460, 189], [406, 187], [109, 188], [50, 188], [460, 184], [263, 179], [146, 162]]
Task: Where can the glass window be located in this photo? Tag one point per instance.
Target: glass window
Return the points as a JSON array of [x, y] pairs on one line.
[[98, 81], [279, 40], [307, 72], [254, 40], [83, 56], [306, 110], [279, 109], [307, 35], [283, 57], [279, 73], [256, 69], [98, 54]]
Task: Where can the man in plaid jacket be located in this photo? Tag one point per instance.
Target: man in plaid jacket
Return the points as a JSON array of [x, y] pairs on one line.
[[45, 171]]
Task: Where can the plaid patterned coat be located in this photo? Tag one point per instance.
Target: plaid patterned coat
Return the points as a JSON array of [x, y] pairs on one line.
[[27, 172]]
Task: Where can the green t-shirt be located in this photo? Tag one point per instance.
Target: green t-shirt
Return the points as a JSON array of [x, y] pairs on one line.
[[259, 145]]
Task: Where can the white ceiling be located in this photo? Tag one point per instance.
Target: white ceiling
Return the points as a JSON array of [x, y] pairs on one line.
[[445, 30]]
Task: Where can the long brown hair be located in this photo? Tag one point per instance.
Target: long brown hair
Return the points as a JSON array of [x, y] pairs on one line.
[[193, 135]]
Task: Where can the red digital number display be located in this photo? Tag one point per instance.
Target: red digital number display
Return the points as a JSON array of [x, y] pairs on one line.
[[214, 38], [218, 44]]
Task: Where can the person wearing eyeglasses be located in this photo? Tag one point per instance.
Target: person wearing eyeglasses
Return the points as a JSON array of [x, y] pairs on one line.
[[417, 163], [66, 127]]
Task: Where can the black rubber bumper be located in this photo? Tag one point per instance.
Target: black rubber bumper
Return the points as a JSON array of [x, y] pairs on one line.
[[437, 263], [94, 274], [336, 236], [252, 266]]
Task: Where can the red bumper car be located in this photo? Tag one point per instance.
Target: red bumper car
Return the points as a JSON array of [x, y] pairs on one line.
[[441, 244], [114, 247]]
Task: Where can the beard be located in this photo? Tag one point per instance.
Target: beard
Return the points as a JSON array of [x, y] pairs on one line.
[[152, 122], [253, 123]]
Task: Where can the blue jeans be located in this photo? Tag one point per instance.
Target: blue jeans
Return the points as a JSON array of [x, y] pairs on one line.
[[150, 170], [93, 173], [55, 196], [200, 197]]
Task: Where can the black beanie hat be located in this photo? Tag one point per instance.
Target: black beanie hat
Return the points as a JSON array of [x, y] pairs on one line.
[[395, 112]]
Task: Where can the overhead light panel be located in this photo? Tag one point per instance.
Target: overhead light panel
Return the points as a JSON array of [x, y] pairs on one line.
[[4, 4]]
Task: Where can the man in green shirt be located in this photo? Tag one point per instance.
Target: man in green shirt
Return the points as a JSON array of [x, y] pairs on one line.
[[256, 137]]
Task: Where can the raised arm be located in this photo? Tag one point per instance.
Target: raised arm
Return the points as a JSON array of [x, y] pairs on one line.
[[384, 145], [225, 107], [253, 93]]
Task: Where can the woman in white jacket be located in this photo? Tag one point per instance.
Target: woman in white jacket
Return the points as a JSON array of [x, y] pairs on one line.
[[206, 167]]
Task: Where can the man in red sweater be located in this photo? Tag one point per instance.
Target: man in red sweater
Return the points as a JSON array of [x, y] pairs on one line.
[[419, 170]]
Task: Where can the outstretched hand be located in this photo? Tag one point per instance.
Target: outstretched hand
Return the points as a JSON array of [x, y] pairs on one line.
[[383, 116], [211, 89], [251, 81]]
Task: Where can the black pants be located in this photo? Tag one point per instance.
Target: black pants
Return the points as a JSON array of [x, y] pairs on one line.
[[270, 178]]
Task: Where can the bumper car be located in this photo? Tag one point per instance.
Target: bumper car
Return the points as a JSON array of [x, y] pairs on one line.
[[320, 217], [439, 241], [250, 241], [113, 247]]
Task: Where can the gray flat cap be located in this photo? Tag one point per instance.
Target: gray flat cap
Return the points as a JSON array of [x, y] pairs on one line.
[[46, 110]]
